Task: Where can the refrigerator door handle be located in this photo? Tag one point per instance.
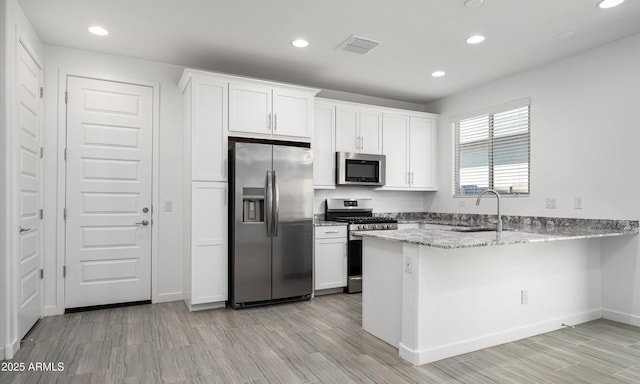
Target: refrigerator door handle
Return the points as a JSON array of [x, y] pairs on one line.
[[276, 204], [268, 207]]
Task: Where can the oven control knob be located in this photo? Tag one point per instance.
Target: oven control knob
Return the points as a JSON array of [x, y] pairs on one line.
[[375, 226], [388, 226], [360, 226]]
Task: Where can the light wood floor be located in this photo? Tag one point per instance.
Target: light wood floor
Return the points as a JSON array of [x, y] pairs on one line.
[[318, 341]]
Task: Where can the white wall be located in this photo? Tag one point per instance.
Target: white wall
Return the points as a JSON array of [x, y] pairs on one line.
[[383, 201], [170, 168], [357, 98], [14, 26], [584, 134], [584, 142]]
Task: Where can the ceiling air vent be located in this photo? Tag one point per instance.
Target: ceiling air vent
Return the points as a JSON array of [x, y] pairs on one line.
[[357, 44]]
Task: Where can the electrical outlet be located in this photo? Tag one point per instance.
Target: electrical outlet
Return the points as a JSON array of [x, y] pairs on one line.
[[408, 264], [577, 202], [551, 202], [524, 297], [168, 205]]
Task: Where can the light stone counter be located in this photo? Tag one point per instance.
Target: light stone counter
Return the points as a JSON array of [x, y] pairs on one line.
[[450, 238]]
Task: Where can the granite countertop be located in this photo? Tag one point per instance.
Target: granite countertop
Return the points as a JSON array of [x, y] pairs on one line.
[[450, 239], [323, 223]]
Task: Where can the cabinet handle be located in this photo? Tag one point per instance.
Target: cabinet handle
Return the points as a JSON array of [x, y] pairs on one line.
[[412, 178], [268, 121], [332, 232], [23, 230], [275, 121]]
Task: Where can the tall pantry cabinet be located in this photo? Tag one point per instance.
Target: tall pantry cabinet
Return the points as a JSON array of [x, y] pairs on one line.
[[206, 193]]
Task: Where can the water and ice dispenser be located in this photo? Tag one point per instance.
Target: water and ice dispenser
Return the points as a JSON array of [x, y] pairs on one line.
[[252, 205]]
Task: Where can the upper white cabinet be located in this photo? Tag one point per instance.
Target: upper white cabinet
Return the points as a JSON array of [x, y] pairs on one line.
[[205, 111], [262, 110], [410, 149], [323, 145], [358, 129]]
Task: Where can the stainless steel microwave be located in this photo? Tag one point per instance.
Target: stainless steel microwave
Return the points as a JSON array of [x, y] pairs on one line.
[[360, 169]]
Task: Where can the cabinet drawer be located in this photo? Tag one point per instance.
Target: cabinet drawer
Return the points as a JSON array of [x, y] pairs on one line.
[[331, 231]]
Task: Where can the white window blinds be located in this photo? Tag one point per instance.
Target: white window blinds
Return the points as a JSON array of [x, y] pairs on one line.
[[492, 151]]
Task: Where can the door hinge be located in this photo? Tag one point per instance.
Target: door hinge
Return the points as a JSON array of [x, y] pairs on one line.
[[41, 273], [64, 214], [66, 97], [41, 213], [41, 92], [41, 152], [64, 271]]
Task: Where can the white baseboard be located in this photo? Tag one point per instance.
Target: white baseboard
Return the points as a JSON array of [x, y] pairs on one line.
[[621, 317], [9, 350], [203, 307], [167, 297], [51, 310], [440, 352]]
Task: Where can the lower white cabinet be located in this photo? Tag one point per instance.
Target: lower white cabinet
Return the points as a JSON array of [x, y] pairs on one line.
[[206, 263], [330, 265]]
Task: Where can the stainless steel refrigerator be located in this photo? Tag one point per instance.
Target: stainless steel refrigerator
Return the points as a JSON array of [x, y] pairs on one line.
[[271, 223]]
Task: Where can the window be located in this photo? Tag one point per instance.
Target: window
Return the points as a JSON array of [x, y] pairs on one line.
[[492, 151]]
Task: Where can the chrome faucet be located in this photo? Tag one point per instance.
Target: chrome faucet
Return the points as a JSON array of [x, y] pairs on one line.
[[499, 224]]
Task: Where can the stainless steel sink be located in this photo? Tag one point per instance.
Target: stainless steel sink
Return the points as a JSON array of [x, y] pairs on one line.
[[474, 229]]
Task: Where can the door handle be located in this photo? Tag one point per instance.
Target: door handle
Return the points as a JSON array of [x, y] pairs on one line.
[[276, 204], [143, 222], [23, 230], [269, 203]]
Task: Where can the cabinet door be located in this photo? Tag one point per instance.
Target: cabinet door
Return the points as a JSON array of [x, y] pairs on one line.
[[370, 131], [323, 145], [347, 121], [395, 140], [208, 131], [330, 263], [292, 113], [250, 109], [209, 242], [422, 148]]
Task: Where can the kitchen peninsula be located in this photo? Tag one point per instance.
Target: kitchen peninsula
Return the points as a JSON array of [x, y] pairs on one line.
[[435, 293]]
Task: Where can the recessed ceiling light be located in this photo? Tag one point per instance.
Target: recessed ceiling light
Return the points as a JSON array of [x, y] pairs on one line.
[[565, 35], [604, 4], [473, 3], [438, 73], [300, 43], [97, 30], [475, 39]]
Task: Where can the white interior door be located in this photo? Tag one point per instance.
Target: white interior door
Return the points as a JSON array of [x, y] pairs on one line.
[[108, 199], [28, 191]]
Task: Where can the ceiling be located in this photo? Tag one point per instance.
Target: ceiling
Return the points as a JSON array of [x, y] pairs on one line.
[[252, 38]]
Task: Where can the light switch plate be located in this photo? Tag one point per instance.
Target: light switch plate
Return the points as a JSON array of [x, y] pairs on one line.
[[168, 205], [577, 202]]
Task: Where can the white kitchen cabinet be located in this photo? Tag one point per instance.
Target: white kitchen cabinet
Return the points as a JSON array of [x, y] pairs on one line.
[[358, 129], [323, 145], [205, 189], [208, 257], [410, 149], [330, 261], [265, 111], [205, 111]]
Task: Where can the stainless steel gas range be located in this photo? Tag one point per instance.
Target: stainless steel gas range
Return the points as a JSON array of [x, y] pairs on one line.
[[358, 213]]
